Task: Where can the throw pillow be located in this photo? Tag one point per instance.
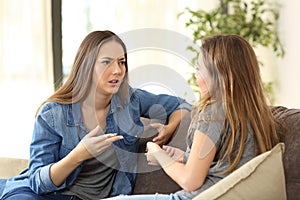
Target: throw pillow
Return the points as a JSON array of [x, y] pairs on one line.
[[260, 178]]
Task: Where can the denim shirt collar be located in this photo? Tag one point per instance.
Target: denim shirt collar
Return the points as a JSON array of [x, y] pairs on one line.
[[116, 102], [74, 115]]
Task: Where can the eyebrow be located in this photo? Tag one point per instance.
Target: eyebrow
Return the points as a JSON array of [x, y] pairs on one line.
[[109, 58]]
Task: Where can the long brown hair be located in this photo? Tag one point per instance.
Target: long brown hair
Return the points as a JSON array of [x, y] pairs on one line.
[[78, 83], [235, 81]]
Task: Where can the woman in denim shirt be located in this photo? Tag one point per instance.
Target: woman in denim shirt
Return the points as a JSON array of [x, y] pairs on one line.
[[86, 135]]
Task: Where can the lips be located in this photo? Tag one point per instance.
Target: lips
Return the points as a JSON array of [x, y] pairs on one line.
[[114, 82]]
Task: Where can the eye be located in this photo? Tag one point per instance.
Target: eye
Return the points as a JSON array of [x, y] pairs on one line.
[[105, 62], [121, 62]]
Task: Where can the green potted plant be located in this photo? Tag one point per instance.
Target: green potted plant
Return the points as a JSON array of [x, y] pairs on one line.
[[255, 20]]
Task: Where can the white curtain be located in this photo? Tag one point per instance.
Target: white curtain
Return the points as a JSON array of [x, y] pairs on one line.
[[25, 70]]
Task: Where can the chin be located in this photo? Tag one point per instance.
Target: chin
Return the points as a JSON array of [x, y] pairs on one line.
[[114, 90]]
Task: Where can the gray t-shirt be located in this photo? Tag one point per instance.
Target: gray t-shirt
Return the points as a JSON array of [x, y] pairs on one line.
[[211, 123], [96, 178]]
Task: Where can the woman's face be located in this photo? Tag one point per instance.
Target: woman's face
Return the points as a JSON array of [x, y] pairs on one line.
[[202, 76], [109, 68]]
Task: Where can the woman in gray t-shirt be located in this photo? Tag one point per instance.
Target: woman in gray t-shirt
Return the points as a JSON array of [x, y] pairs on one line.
[[230, 125]]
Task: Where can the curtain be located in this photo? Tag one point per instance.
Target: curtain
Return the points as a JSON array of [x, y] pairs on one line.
[[26, 77]]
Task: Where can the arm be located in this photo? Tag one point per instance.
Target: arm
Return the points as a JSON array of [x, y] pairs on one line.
[[165, 132], [189, 176], [51, 163], [44, 151], [91, 145], [169, 108]]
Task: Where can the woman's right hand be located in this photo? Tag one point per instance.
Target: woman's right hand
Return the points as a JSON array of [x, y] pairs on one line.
[[93, 144]]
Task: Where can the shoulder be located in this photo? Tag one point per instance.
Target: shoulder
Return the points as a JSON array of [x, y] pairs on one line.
[[52, 109], [210, 121], [48, 106], [138, 94], [53, 113], [138, 91]]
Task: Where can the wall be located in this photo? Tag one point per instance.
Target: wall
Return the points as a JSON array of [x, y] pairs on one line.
[[288, 69]]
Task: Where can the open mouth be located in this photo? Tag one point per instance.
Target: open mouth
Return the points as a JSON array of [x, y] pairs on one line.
[[113, 81]]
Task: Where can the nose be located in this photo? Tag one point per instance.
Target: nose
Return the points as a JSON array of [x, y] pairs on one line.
[[116, 68]]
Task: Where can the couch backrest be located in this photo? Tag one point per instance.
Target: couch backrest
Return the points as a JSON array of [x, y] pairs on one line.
[[155, 180], [289, 130]]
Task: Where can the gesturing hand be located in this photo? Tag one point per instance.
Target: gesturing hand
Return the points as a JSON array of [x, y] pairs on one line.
[[94, 144], [163, 133], [175, 153]]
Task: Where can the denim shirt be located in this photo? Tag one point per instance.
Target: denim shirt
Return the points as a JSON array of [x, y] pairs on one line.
[[56, 133]]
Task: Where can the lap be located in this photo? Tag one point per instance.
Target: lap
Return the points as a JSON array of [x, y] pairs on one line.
[[148, 197], [26, 193]]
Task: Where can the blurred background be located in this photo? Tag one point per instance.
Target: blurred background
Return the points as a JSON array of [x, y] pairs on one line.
[[39, 39]]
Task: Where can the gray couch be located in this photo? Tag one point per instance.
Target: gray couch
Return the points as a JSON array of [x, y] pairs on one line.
[[154, 180]]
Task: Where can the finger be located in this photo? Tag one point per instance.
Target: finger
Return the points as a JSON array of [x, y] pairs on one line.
[[157, 138], [170, 151], [109, 135], [153, 163], [166, 148], [159, 141], [149, 159], [100, 138], [114, 138], [149, 145]]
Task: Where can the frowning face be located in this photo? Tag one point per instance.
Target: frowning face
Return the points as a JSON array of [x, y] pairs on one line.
[[109, 68]]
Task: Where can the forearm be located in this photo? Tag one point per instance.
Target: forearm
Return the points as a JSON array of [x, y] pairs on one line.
[[60, 170], [174, 169], [175, 119]]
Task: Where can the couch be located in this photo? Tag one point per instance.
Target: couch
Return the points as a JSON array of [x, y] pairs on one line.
[[152, 179]]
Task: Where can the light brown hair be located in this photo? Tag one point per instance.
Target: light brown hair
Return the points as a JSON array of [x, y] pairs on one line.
[[235, 82]]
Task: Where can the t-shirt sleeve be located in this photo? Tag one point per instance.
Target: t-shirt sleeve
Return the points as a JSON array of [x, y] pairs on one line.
[[211, 126]]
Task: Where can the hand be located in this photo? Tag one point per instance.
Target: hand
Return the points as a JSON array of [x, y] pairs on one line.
[[94, 144], [175, 153], [151, 148], [163, 134]]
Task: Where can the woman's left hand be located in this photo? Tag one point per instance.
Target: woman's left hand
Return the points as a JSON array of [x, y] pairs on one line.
[[163, 133]]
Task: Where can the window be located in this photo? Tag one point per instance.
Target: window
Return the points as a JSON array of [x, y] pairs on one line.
[[25, 70]]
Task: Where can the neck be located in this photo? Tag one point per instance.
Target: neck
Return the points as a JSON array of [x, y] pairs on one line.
[[94, 110], [97, 101]]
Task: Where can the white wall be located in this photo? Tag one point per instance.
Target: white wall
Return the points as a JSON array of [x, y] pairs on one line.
[[288, 69]]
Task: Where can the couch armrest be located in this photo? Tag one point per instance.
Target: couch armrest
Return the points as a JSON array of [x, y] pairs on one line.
[[11, 166]]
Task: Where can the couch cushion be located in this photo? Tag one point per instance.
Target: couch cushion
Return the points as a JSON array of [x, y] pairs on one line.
[[253, 180], [289, 129], [11, 166]]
